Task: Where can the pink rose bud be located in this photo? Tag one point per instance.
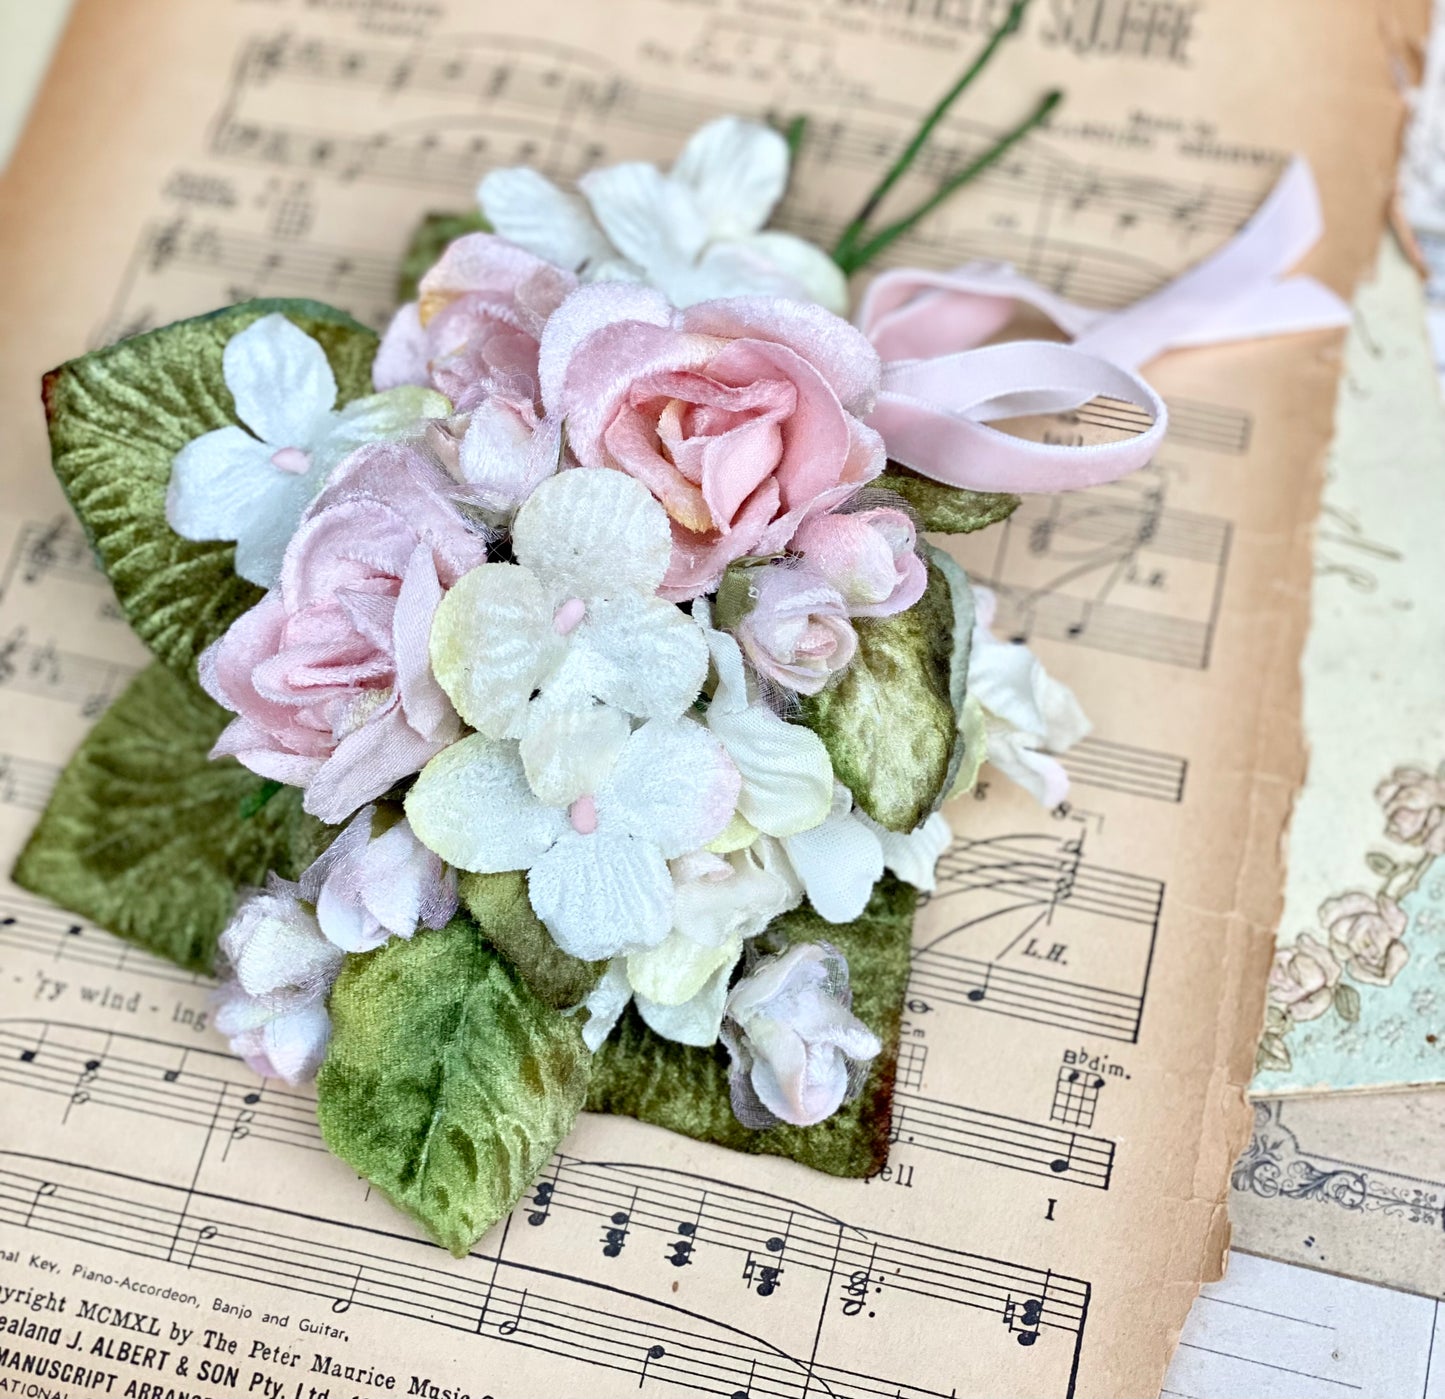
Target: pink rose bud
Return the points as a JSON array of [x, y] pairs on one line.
[[868, 556], [798, 632], [272, 1006], [798, 1052], [377, 881]]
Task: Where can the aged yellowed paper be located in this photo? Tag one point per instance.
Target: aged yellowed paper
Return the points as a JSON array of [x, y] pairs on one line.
[[1087, 982]]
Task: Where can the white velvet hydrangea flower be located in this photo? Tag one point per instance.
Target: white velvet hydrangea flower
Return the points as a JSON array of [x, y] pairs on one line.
[[531, 650], [596, 847], [253, 487], [696, 233]]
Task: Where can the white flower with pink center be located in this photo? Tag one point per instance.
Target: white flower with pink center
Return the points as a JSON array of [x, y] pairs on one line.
[[253, 487], [594, 832], [530, 650]]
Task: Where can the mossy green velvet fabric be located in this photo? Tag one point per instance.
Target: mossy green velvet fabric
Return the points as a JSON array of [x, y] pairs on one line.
[[145, 835], [503, 910], [947, 509], [447, 1084], [118, 417], [685, 1089], [888, 720]]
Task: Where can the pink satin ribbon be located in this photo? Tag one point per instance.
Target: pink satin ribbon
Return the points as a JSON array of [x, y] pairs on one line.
[[941, 391]]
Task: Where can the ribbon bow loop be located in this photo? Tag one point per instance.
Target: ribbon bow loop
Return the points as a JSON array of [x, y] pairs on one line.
[[942, 385]]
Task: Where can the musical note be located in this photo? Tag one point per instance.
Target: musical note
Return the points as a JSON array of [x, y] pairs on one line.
[[683, 1246], [342, 1305], [653, 1352], [614, 1239], [43, 1191], [513, 1324]]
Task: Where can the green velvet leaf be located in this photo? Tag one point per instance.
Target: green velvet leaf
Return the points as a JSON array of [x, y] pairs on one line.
[[447, 1083], [947, 509], [888, 720], [960, 596], [429, 242], [117, 419], [501, 907], [684, 1089], [147, 837]]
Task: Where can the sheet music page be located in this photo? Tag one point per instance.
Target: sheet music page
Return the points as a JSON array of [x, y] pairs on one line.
[[1087, 983]]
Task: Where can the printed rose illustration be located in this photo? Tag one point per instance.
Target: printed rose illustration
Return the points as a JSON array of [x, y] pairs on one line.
[[1303, 979], [1365, 932]]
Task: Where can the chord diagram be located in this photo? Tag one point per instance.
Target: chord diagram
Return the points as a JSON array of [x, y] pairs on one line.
[[998, 1140], [1076, 1095], [912, 1054], [1123, 767], [1034, 931]]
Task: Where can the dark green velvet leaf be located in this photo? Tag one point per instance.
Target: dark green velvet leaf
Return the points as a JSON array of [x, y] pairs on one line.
[[501, 907], [146, 836], [888, 720], [117, 419], [447, 1084], [429, 242], [947, 509], [639, 1074]]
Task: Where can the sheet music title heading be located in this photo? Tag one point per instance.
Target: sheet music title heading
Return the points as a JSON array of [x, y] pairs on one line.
[[1160, 30]]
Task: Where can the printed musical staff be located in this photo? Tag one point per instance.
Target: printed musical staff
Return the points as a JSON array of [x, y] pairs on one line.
[[349, 1266], [33, 925], [54, 549], [1032, 1147], [1060, 929], [1076, 1095], [1123, 767], [1118, 570], [26, 783], [46, 670]]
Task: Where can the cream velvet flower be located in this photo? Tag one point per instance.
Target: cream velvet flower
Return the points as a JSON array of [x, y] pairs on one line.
[[254, 486], [596, 857], [527, 650], [695, 234], [1027, 714]]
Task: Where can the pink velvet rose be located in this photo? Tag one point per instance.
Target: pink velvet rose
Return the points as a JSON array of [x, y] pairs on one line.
[[475, 326], [329, 673], [797, 632], [868, 556], [742, 417]]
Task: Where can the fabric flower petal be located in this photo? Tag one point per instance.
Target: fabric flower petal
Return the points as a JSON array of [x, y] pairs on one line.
[[695, 1021], [593, 534], [472, 805], [839, 862], [281, 381], [651, 220], [673, 785], [529, 210], [804, 264], [491, 642], [737, 171], [914, 855], [640, 654], [380, 417], [605, 1004], [677, 968], [568, 753], [600, 892], [787, 776]]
